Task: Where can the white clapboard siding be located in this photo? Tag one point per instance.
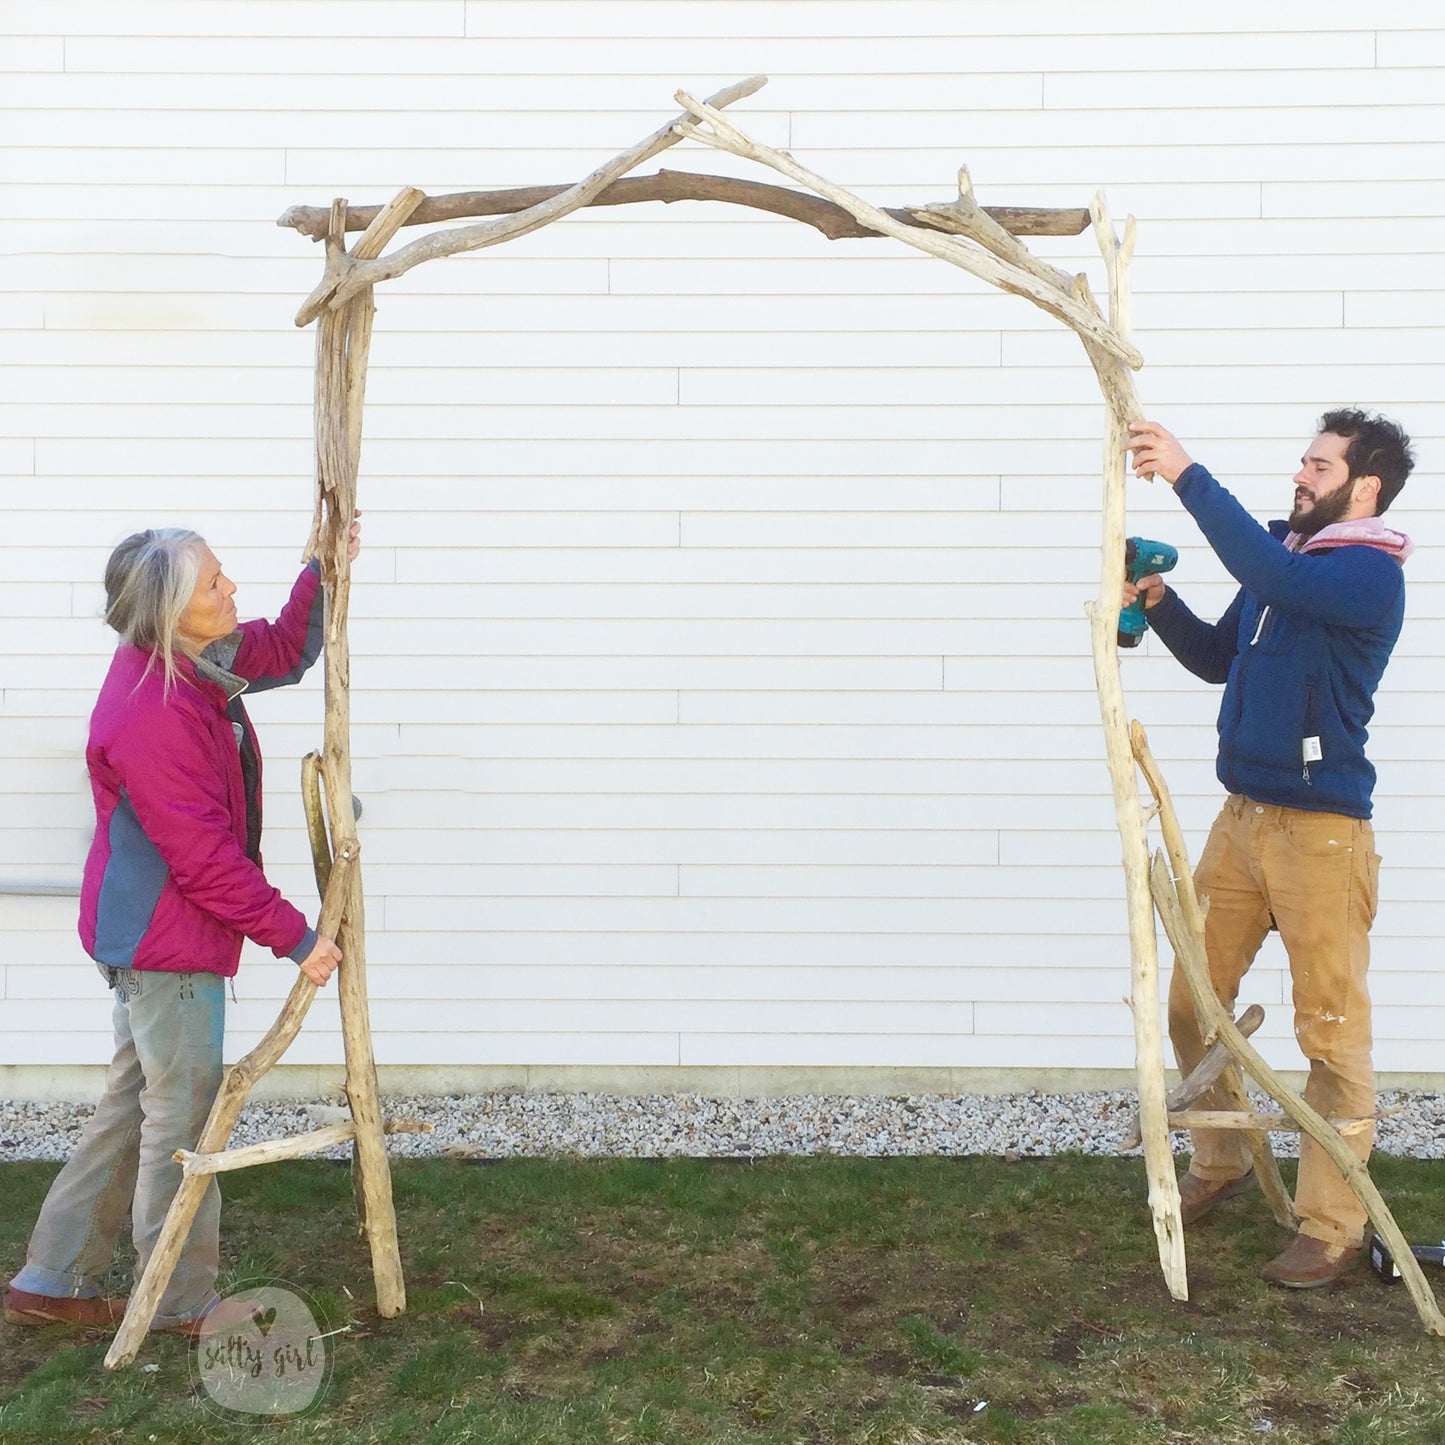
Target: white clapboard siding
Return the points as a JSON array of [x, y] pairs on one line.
[[721, 688]]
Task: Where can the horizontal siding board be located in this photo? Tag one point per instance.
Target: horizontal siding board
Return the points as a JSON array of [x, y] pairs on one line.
[[924, 19], [864, 1051], [313, 139], [39, 53], [439, 18], [1386, 84], [720, 58], [702, 743], [351, 128], [476, 847]]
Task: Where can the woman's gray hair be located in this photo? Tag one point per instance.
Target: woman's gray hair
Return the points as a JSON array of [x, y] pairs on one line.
[[149, 579]]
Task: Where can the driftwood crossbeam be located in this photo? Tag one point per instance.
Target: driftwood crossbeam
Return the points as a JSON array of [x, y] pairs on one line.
[[984, 241], [667, 186]]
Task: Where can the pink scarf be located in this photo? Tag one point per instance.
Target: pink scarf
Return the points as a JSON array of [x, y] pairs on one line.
[[1364, 532]]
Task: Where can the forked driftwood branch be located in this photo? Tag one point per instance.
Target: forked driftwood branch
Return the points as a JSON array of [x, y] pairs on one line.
[[1183, 920]]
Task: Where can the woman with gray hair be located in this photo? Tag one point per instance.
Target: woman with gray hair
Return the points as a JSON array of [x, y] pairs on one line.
[[173, 884]]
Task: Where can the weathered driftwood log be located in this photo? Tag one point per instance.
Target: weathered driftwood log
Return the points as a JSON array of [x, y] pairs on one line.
[[667, 186], [235, 1089], [1172, 884]]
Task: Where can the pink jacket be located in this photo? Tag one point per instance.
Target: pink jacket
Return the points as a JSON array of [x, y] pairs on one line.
[[169, 885]]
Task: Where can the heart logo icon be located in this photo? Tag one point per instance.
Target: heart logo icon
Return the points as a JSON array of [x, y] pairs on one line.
[[264, 1320]]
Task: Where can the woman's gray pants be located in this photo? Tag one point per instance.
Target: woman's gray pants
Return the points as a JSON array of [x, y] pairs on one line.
[[161, 1084]]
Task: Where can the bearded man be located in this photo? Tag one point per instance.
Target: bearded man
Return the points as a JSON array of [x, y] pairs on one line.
[[1300, 651]]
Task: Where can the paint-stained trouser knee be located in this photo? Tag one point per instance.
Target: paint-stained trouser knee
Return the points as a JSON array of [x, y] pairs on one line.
[[1317, 875], [160, 1087]]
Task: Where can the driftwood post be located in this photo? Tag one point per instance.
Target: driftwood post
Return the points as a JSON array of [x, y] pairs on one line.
[[342, 342]]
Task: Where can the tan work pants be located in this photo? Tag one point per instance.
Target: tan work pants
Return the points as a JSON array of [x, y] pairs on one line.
[[1317, 875]]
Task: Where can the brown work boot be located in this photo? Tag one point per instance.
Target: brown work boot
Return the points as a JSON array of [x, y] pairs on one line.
[[1309, 1263], [25, 1308], [1198, 1196]]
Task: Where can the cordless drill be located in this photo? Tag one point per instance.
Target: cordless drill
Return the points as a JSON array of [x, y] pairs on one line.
[[1141, 559]]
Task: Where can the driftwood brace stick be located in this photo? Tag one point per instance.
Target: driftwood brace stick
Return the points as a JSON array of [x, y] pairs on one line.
[[1172, 885], [297, 1147], [236, 1087]]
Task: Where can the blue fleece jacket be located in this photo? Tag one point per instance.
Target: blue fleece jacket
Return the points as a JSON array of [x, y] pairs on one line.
[[1300, 650]]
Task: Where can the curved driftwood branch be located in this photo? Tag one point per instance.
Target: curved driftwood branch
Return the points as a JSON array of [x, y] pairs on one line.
[[710, 127], [235, 1088], [667, 186], [472, 238]]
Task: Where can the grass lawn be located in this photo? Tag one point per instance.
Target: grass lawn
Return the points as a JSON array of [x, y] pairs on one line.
[[788, 1300]]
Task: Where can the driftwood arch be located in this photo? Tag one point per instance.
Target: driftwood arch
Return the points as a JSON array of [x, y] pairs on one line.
[[984, 241]]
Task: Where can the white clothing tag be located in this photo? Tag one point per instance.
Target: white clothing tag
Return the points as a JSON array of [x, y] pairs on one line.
[[1312, 750]]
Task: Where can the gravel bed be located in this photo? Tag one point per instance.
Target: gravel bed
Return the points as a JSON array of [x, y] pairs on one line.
[[510, 1123]]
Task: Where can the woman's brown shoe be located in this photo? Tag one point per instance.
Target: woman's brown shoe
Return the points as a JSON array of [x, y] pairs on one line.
[[25, 1308]]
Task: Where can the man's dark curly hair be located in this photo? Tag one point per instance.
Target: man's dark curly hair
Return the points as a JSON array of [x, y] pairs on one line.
[[1378, 448]]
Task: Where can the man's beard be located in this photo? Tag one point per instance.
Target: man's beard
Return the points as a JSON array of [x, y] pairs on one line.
[[1328, 509]]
